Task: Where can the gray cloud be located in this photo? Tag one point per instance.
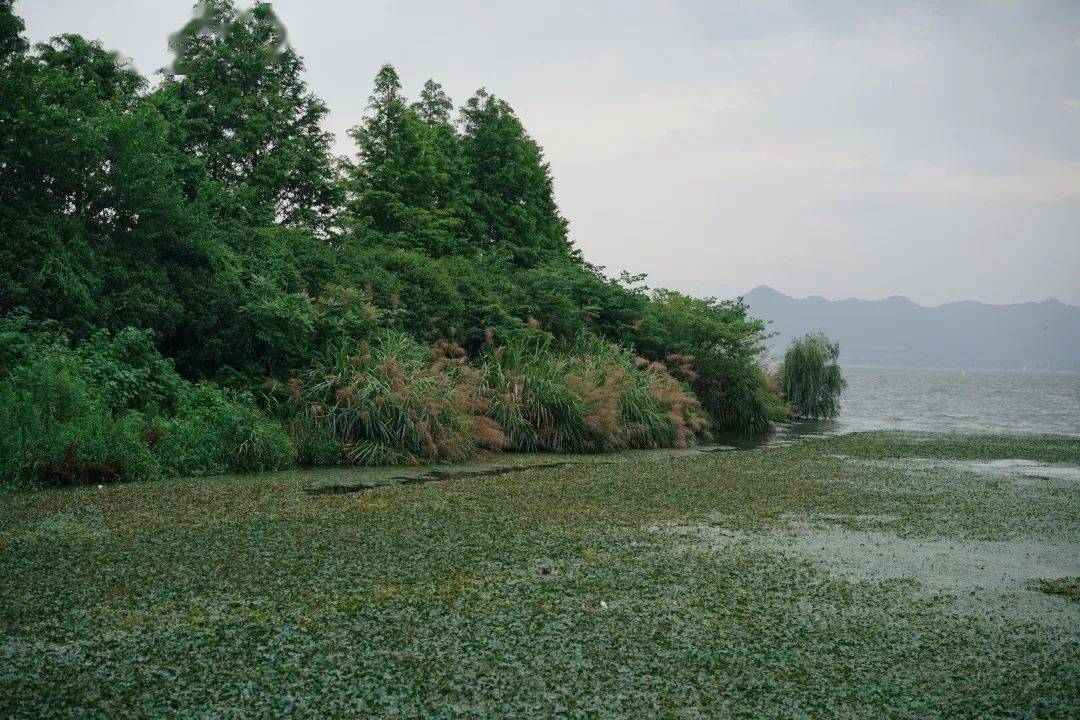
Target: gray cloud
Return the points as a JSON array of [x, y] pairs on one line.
[[834, 148]]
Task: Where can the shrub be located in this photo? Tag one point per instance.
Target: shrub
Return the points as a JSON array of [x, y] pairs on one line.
[[739, 397], [594, 397], [396, 401], [810, 376], [718, 350], [216, 432], [18, 336], [572, 299], [56, 426], [314, 441], [130, 371]]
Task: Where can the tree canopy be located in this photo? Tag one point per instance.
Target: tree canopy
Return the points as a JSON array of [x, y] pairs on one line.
[[238, 105]]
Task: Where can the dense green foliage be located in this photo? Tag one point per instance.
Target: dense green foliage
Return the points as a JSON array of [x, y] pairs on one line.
[[639, 585], [202, 224], [113, 408], [56, 425], [810, 376], [214, 433], [717, 349]]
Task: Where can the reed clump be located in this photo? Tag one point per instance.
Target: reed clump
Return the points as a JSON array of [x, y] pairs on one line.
[[395, 401]]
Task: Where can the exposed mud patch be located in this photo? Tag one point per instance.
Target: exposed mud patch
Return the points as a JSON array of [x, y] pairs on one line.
[[1066, 587], [717, 448], [936, 563], [429, 476], [1027, 468], [714, 537], [808, 522]]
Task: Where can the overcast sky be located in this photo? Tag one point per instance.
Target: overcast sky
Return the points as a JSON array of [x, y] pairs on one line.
[[835, 148]]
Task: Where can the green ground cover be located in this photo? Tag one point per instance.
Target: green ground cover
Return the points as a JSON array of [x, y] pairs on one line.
[[660, 583]]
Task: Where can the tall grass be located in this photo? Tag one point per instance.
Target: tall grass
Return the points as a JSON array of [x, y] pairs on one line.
[[810, 376], [395, 401], [593, 397], [530, 399]]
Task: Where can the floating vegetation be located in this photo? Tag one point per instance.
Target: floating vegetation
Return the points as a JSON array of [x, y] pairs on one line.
[[784, 582]]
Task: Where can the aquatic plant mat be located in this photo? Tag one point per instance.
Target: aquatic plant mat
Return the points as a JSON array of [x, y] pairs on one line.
[[869, 575]]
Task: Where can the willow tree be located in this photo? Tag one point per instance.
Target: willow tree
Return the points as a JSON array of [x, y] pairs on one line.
[[810, 376]]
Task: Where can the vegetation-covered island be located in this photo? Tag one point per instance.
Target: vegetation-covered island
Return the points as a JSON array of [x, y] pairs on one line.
[[195, 291], [191, 282]]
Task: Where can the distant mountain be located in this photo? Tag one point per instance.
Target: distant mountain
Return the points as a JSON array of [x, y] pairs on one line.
[[895, 331]]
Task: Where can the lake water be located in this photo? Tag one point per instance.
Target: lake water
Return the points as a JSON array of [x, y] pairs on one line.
[[929, 399]]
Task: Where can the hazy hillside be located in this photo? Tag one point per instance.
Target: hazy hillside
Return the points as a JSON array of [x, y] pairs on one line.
[[896, 331]]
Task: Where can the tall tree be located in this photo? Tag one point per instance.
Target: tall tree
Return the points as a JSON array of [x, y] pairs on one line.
[[12, 42], [94, 69], [450, 181], [512, 207], [93, 228], [239, 104], [401, 186], [434, 105]]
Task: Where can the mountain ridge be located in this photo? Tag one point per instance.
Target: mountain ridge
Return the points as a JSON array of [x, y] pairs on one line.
[[1037, 334], [905, 299]]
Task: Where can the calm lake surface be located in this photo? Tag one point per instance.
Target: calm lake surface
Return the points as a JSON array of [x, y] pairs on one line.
[[929, 399]]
